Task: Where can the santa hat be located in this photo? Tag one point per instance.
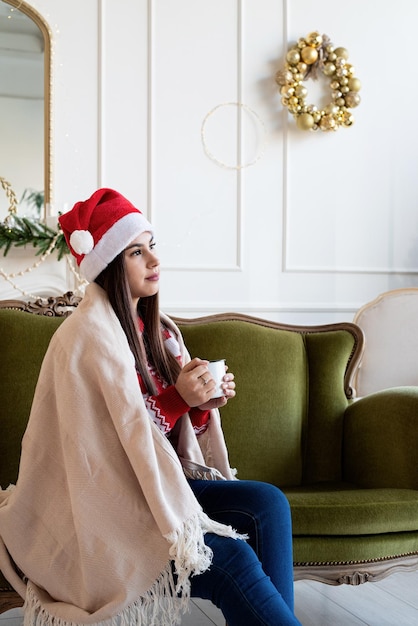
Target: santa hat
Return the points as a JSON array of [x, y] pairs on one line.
[[99, 228]]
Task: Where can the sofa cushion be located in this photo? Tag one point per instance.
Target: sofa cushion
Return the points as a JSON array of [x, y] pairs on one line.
[[345, 510], [24, 339], [354, 549]]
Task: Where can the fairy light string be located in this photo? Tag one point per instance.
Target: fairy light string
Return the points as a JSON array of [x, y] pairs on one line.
[[9, 277]]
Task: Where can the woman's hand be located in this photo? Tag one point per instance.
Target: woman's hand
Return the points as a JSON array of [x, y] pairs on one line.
[[196, 385], [228, 387]]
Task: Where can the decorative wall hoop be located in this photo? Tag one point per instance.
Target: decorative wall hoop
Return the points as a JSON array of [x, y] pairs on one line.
[[313, 54], [208, 153]]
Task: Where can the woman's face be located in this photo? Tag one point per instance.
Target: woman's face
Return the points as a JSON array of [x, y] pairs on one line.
[[142, 267]]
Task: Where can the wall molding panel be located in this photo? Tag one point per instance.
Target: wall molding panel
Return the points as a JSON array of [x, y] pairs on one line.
[[344, 207], [206, 234]]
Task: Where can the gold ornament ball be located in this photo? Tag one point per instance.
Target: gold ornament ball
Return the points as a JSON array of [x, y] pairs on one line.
[[354, 84], [314, 39], [327, 123], [287, 91], [301, 91], [283, 76], [293, 56], [352, 99], [305, 121], [331, 109], [329, 69], [347, 119], [341, 52], [309, 55], [341, 72]]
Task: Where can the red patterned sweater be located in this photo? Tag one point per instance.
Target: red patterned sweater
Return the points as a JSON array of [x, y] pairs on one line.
[[167, 406]]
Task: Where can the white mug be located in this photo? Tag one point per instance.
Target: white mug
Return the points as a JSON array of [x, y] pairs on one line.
[[217, 370]]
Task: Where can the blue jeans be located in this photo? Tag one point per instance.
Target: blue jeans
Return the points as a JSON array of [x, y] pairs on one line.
[[251, 582]]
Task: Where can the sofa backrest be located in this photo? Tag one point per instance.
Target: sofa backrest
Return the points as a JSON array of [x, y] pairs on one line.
[[24, 339], [293, 384]]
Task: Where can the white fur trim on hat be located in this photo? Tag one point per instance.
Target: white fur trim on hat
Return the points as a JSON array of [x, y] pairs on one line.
[[113, 242], [82, 241]]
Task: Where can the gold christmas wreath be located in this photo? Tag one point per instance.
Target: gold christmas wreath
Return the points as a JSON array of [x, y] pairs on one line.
[[312, 54]]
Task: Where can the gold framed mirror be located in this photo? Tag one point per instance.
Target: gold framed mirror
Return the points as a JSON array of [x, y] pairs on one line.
[[25, 63]]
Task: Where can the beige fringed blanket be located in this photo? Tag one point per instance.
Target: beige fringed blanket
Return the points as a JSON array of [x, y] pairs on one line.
[[101, 505]]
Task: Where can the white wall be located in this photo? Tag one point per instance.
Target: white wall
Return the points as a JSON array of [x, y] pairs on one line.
[[318, 225]]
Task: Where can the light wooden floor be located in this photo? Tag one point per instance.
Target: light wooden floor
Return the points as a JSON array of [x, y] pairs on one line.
[[390, 602]]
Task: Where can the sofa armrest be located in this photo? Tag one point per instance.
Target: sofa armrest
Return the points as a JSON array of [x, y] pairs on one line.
[[380, 441]]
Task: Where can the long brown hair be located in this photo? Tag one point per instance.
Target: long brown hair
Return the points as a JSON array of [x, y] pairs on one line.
[[148, 347]]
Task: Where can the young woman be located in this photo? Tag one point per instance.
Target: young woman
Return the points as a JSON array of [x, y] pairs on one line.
[[125, 505]]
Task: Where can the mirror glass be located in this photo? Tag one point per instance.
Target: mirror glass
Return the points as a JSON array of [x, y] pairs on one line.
[[25, 59]]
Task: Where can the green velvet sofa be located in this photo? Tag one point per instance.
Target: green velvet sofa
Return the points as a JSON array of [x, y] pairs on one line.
[[347, 466]]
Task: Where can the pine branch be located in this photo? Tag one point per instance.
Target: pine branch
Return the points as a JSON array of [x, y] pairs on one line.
[[21, 231]]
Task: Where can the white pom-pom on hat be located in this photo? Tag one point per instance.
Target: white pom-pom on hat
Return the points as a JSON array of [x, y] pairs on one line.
[[82, 241]]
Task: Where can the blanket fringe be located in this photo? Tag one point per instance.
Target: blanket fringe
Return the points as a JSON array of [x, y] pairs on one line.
[[160, 606], [168, 598], [188, 550]]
